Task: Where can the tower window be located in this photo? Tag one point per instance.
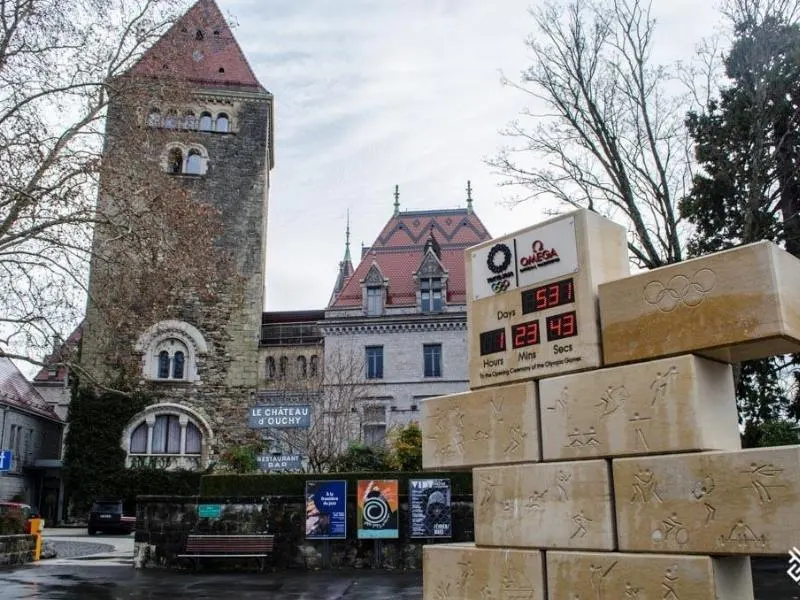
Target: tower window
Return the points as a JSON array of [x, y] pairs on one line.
[[222, 124], [177, 365], [199, 35], [194, 163], [314, 365], [283, 364], [205, 121], [171, 120], [154, 118], [302, 366], [163, 364], [432, 358], [270, 367], [189, 120], [171, 364], [175, 161]]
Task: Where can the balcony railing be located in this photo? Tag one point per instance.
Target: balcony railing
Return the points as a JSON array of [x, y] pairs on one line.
[[290, 334]]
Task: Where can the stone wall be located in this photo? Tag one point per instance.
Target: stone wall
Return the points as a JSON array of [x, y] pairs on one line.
[[16, 549], [163, 523]]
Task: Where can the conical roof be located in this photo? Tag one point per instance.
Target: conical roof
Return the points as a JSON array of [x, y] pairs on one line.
[[200, 48]]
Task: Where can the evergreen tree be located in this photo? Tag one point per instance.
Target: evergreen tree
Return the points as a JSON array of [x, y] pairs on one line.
[[748, 145]]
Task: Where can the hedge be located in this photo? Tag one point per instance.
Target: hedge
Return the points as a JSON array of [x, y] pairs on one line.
[[294, 484]]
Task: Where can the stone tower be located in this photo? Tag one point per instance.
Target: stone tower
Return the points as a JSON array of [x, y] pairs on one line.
[[203, 127]]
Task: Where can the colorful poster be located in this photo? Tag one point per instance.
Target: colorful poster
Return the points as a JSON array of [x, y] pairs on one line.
[[377, 513], [326, 510], [429, 508]]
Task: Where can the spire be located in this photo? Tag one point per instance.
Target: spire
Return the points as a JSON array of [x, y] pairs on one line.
[[347, 241], [469, 196], [200, 48], [432, 243], [396, 200]]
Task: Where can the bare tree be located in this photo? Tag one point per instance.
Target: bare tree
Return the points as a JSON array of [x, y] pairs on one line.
[[61, 63], [608, 134], [336, 399]]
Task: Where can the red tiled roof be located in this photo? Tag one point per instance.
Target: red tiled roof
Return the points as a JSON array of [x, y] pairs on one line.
[[15, 390], [398, 251], [215, 60], [60, 354]]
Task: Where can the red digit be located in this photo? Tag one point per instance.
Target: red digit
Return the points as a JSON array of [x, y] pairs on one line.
[[519, 336], [541, 298], [569, 324], [533, 333], [555, 326], [553, 295], [502, 340]]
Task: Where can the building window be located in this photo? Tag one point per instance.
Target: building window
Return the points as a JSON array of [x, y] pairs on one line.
[[283, 364], [270, 367], [166, 433], [194, 163], [374, 427], [302, 370], [171, 363], [154, 118], [374, 362], [431, 294], [374, 300], [222, 124], [189, 120], [175, 161], [432, 357], [171, 120], [314, 367], [205, 121]]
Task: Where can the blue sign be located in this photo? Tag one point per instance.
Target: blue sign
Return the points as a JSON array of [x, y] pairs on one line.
[[326, 510], [5, 460]]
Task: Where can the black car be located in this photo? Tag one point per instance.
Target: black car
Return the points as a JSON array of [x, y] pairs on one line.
[[106, 516]]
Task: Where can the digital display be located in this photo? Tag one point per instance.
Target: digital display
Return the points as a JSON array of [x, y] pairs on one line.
[[493, 341], [525, 334], [548, 296], [562, 326]]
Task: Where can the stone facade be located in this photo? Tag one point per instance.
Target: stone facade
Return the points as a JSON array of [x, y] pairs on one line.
[[214, 338]]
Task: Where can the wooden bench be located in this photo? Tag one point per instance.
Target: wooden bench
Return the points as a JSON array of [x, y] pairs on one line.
[[257, 546]]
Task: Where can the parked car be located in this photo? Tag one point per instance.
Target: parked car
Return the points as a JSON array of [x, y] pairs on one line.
[[106, 516]]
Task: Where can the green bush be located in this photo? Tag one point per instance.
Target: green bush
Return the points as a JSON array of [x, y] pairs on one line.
[[12, 522], [361, 458], [293, 484]]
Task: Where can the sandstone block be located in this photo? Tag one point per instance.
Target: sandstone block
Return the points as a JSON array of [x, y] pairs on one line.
[[531, 298], [736, 305], [554, 505], [671, 405], [465, 572], [618, 576], [484, 427], [742, 502]]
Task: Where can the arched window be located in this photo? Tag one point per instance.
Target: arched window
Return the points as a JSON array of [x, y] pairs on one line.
[[282, 365], [154, 118], [166, 435], [163, 364], [194, 439], [301, 366], [189, 120], [270, 367], [222, 123], [171, 120], [314, 366], [172, 359], [139, 440], [175, 161], [177, 365], [194, 163], [205, 121]]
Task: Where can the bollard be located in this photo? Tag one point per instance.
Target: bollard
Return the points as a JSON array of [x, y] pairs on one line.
[[35, 527]]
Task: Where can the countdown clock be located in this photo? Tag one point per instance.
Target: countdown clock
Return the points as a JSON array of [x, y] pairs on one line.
[[531, 305]]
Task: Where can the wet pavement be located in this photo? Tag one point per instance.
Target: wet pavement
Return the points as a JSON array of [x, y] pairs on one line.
[[100, 568]]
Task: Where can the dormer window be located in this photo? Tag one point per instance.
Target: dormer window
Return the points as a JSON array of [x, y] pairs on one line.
[[374, 300], [430, 294]]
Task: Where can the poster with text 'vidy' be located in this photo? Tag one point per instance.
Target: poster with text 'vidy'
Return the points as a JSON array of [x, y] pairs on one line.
[[377, 514], [429, 507]]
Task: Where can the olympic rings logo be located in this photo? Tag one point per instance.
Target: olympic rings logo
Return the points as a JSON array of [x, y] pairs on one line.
[[680, 290], [500, 286]]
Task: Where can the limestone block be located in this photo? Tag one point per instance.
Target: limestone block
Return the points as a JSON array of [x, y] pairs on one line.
[[736, 305], [483, 427], [671, 405], [742, 502], [544, 505], [465, 572], [532, 298], [619, 576]]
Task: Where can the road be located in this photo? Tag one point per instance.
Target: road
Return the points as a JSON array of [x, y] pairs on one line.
[[101, 568]]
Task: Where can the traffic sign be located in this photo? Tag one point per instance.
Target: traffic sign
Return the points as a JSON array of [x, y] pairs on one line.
[[5, 460]]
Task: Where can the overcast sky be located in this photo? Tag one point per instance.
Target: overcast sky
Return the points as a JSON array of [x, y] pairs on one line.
[[373, 93]]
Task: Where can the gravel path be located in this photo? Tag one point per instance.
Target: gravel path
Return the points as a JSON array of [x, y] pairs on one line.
[[71, 549]]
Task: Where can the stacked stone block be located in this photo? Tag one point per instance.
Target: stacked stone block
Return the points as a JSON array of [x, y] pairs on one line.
[[628, 481]]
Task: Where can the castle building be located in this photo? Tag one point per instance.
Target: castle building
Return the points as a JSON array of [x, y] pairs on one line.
[[401, 314], [199, 353]]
